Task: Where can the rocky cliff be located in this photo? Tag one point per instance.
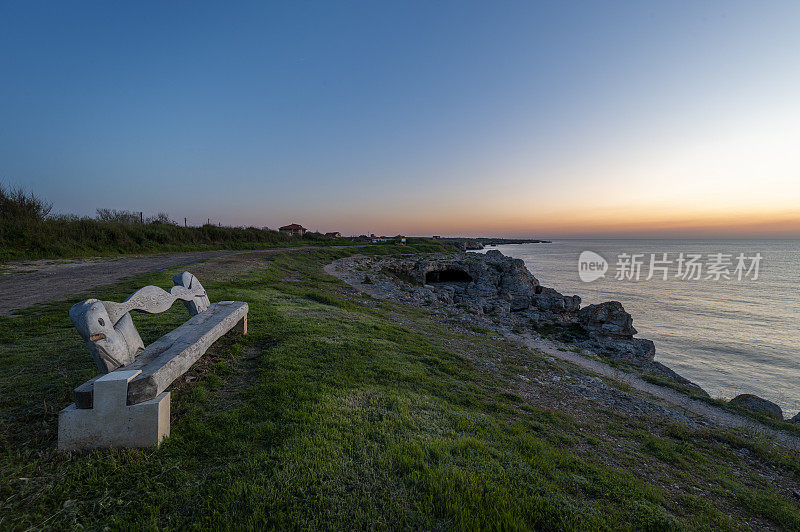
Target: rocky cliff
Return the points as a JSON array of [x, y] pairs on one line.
[[495, 288]]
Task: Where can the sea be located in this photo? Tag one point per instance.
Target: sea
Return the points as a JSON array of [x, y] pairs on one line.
[[727, 316]]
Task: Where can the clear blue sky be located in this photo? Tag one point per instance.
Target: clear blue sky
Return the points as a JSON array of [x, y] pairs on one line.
[[431, 117]]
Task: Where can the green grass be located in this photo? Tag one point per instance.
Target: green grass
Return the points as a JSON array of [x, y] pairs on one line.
[[669, 383], [563, 333], [784, 425], [339, 411]]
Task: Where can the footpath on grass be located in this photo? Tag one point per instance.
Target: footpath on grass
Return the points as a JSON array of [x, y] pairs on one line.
[[674, 397]]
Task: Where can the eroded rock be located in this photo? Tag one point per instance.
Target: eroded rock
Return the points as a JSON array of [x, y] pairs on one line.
[[758, 405], [607, 319]]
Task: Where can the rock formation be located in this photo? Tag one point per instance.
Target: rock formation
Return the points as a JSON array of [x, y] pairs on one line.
[[501, 291], [500, 286], [607, 319], [758, 405]]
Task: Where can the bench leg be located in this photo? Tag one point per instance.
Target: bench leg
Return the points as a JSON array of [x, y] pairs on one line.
[[242, 325], [111, 422]]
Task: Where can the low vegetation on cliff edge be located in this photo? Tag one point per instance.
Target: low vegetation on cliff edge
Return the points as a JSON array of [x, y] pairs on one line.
[[341, 411], [28, 230]]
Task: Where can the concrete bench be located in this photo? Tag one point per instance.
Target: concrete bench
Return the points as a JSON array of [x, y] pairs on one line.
[[128, 405]]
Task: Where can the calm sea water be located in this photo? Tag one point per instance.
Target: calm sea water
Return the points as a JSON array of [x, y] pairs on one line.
[[730, 337]]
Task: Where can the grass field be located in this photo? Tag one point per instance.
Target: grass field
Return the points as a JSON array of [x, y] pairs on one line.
[[340, 411]]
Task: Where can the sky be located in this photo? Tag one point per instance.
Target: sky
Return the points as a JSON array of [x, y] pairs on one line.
[[517, 119]]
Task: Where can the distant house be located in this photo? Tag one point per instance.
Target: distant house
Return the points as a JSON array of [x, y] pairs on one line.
[[293, 230], [334, 234]]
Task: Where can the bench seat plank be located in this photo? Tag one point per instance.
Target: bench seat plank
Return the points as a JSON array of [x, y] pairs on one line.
[[173, 354]]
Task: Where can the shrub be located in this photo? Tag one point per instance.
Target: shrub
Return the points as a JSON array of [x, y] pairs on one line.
[[117, 217], [21, 206]]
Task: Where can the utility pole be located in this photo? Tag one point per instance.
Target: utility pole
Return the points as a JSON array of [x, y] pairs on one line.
[[141, 217], [184, 222]]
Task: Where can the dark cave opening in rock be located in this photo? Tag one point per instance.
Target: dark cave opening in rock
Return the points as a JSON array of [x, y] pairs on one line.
[[450, 275]]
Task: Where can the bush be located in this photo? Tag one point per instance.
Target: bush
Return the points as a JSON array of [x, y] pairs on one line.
[[161, 218], [118, 217], [21, 206]]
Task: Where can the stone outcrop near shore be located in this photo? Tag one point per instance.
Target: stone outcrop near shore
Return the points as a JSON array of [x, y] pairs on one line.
[[499, 286], [758, 405]]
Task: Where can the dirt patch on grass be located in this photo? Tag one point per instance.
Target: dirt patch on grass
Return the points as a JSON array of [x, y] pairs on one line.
[[244, 374], [26, 284], [45, 281]]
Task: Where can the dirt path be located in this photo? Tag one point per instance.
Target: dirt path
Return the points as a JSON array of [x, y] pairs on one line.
[[675, 398], [25, 284]]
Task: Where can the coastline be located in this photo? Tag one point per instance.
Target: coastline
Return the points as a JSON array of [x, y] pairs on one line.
[[647, 376], [334, 389], [729, 336]]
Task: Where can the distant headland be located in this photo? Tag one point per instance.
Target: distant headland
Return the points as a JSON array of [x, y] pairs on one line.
[[468, 244]]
